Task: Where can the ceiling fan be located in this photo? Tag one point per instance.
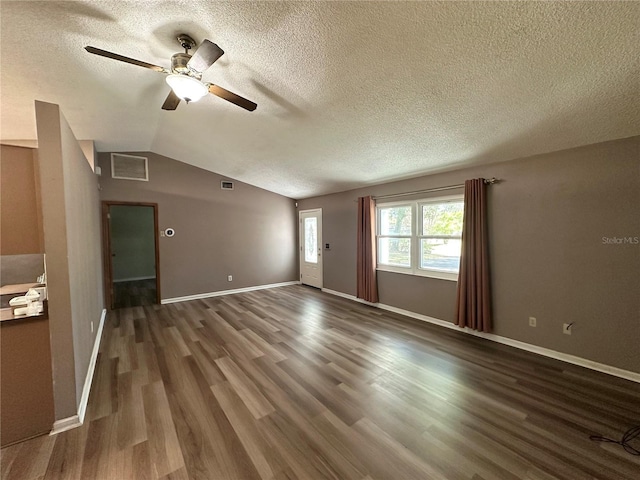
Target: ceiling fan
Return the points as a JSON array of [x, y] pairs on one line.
[[185, 75]]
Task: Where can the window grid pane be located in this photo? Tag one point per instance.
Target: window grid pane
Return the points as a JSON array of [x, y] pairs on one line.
[[395, 220], [442, 218], [394, 251], [440, 254]]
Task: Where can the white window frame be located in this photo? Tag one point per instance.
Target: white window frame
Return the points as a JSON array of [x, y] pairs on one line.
[[416, 224], [411, 237]]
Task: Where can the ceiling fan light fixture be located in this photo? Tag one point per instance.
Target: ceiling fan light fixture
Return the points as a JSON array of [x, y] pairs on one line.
[[187, 88]]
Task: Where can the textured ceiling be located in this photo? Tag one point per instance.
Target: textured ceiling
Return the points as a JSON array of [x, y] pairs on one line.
[[348, 93]]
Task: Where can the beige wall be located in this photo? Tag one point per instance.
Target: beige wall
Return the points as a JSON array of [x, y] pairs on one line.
[[71, 217], [548, 218], [20, 210], [247, 232]]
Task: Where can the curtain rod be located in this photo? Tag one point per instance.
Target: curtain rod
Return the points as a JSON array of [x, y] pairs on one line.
[[487, 181]]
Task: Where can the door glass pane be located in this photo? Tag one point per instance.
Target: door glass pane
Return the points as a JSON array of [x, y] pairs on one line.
[[442, 218], [394, 251], [440, 254], [395, 220], [310, 239]]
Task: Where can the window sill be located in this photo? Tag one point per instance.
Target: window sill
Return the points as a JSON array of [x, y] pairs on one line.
[[452, 277]]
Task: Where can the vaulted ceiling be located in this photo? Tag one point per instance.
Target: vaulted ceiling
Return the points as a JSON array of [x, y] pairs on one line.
[[348, 93]]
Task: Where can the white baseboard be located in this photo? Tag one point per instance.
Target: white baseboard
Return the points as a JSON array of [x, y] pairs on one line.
[[133, 279], [65, 424], [84, 399], [225, 292], [582, 362], [77, 420]]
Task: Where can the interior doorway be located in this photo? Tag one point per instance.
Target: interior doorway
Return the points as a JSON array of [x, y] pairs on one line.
[[131, 254], [311, 247]]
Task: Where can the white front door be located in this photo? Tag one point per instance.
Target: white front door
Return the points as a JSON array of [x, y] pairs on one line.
[[311, 247]]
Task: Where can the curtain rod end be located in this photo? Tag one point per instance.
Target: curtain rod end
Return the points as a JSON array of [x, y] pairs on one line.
[[491, 181]]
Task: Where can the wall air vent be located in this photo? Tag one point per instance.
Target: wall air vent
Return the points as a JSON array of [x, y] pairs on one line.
[[226, 185], [129, 167]]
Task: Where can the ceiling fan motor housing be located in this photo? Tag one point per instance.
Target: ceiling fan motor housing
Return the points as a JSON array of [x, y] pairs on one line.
[[179, 63]]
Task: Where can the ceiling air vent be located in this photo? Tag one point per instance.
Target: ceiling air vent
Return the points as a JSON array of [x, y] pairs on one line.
[[129, 167], [226, 185]]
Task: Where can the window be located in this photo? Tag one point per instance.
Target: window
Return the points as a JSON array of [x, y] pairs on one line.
[[422, 237], [394, 235]]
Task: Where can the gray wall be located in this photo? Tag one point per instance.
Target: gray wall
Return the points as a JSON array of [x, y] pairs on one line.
[[247, 232], [132, 242], [71, 218], [548, 218]]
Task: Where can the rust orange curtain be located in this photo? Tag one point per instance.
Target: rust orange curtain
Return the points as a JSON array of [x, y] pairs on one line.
[[367, 287], [473, 304]]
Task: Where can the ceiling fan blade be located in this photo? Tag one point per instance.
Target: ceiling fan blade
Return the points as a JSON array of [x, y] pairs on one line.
[[172, 101], [205, 56], [133, 61], [232, 97]]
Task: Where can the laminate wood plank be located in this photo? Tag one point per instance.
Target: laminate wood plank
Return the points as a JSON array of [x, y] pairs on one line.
[[7, 457], [290, 390], [342, 462], [545, 450], [304, 462], [180, 474], [296, 351], [206, 364], [29, 459], [349, 379], [325, 389], [567, 437], [210, 341], [164, 448], [262, 345], [378, 460], [295, 404], [105, 384], [230, 315], [411, 463], [140, 464], [232, 336], [177, 341], [537, 457], [291, 383], [243, 423], [155, 326], [203, 426], [398, 419], [131, 428], [259, 321], [134, 293], [451, 443], [98, 448], [345, 359], [192, 439], [245, 388]]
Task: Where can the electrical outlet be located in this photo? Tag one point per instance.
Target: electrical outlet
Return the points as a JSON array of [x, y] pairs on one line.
[[532, 321], [230, 278], [566, 328]]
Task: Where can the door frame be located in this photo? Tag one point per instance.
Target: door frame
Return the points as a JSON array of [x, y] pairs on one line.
[[106, 244], [301, 244]]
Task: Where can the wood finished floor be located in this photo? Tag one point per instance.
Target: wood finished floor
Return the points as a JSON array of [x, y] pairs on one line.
[[294, 383], [134, 293]]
